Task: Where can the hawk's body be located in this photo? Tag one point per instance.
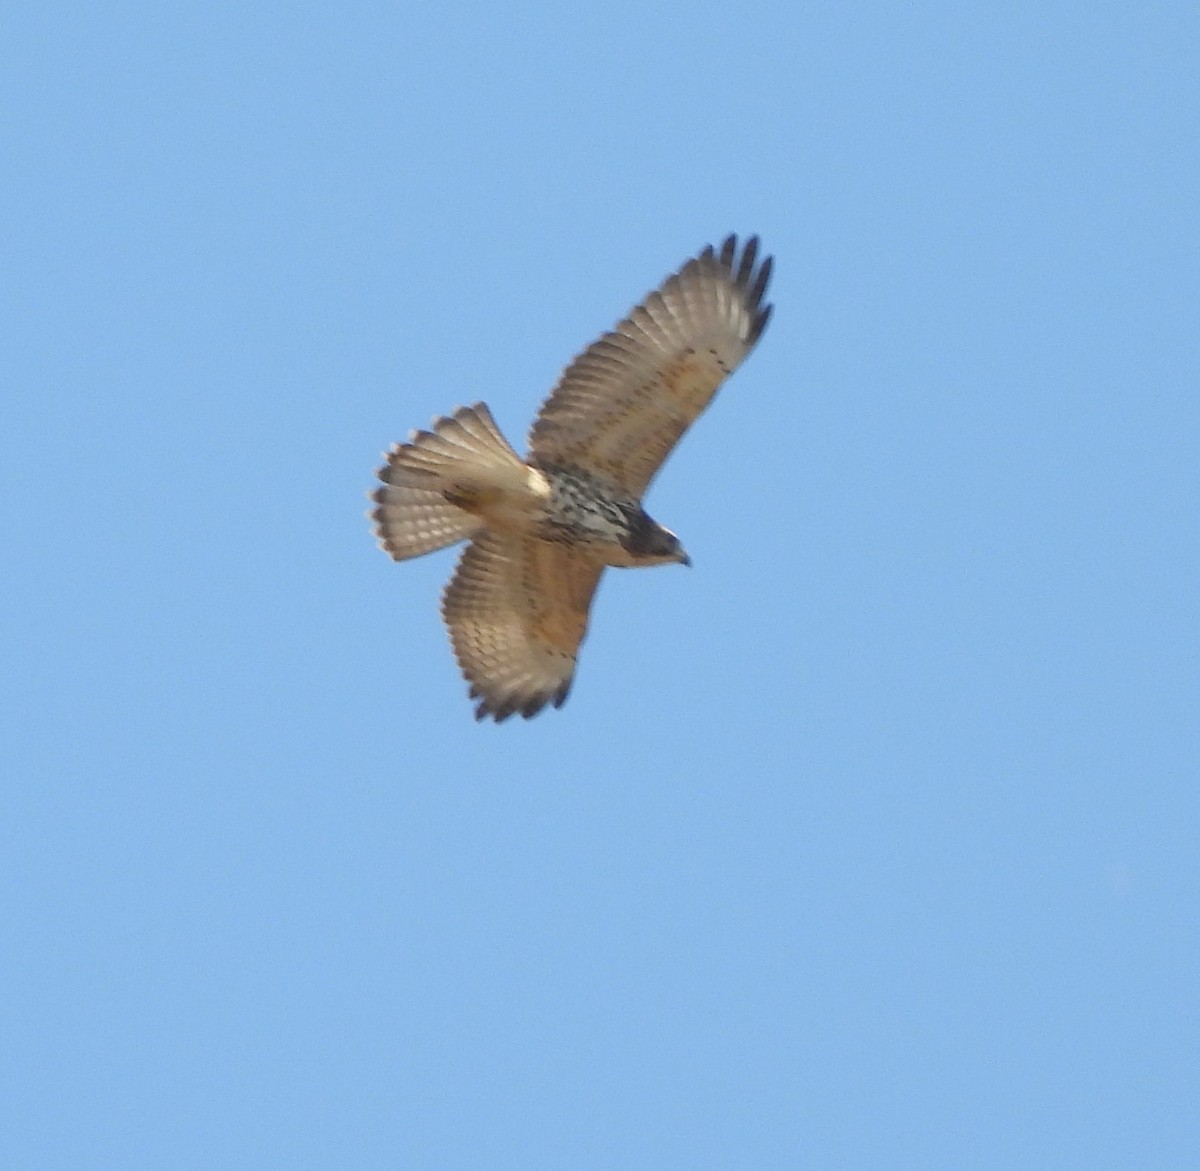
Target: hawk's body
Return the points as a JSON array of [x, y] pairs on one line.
[[588, 514], [543, 530]]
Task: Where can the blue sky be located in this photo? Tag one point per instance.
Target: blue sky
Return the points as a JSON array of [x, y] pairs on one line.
[[868, 842]]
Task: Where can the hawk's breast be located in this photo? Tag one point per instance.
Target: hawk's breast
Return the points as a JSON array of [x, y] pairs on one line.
[[583, 510]]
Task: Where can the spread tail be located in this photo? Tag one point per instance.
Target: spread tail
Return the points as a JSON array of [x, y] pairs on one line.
[[433, 485]]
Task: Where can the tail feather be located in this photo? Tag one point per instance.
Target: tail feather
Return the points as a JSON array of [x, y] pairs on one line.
[[412, 521], [465, 448], [463, 458]]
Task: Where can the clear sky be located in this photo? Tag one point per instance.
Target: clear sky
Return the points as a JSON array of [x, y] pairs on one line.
[[868, 842]]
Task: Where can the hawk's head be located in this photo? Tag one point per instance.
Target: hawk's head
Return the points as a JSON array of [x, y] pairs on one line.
[[672, 549], [648, 543]]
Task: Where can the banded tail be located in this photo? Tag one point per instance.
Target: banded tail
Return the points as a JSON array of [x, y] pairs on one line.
[[435, 486]]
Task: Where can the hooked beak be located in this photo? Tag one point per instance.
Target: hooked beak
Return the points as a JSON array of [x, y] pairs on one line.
[[684, 559]]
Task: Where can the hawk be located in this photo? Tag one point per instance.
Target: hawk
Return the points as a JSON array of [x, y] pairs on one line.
[[542, 529]]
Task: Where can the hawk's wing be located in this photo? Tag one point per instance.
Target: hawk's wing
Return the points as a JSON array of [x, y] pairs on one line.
[[517, 609], [622, 405]]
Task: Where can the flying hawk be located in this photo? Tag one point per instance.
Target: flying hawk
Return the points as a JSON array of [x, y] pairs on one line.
[[543, 529]]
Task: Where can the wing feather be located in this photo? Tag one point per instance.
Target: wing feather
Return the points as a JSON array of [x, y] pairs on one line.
[[517, 608], [623, 404]]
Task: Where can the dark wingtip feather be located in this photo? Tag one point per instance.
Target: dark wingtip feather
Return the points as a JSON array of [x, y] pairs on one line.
[[501, 710], [760, 323], [749, 275], [746, 265], [494, 711], [760, 282]]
